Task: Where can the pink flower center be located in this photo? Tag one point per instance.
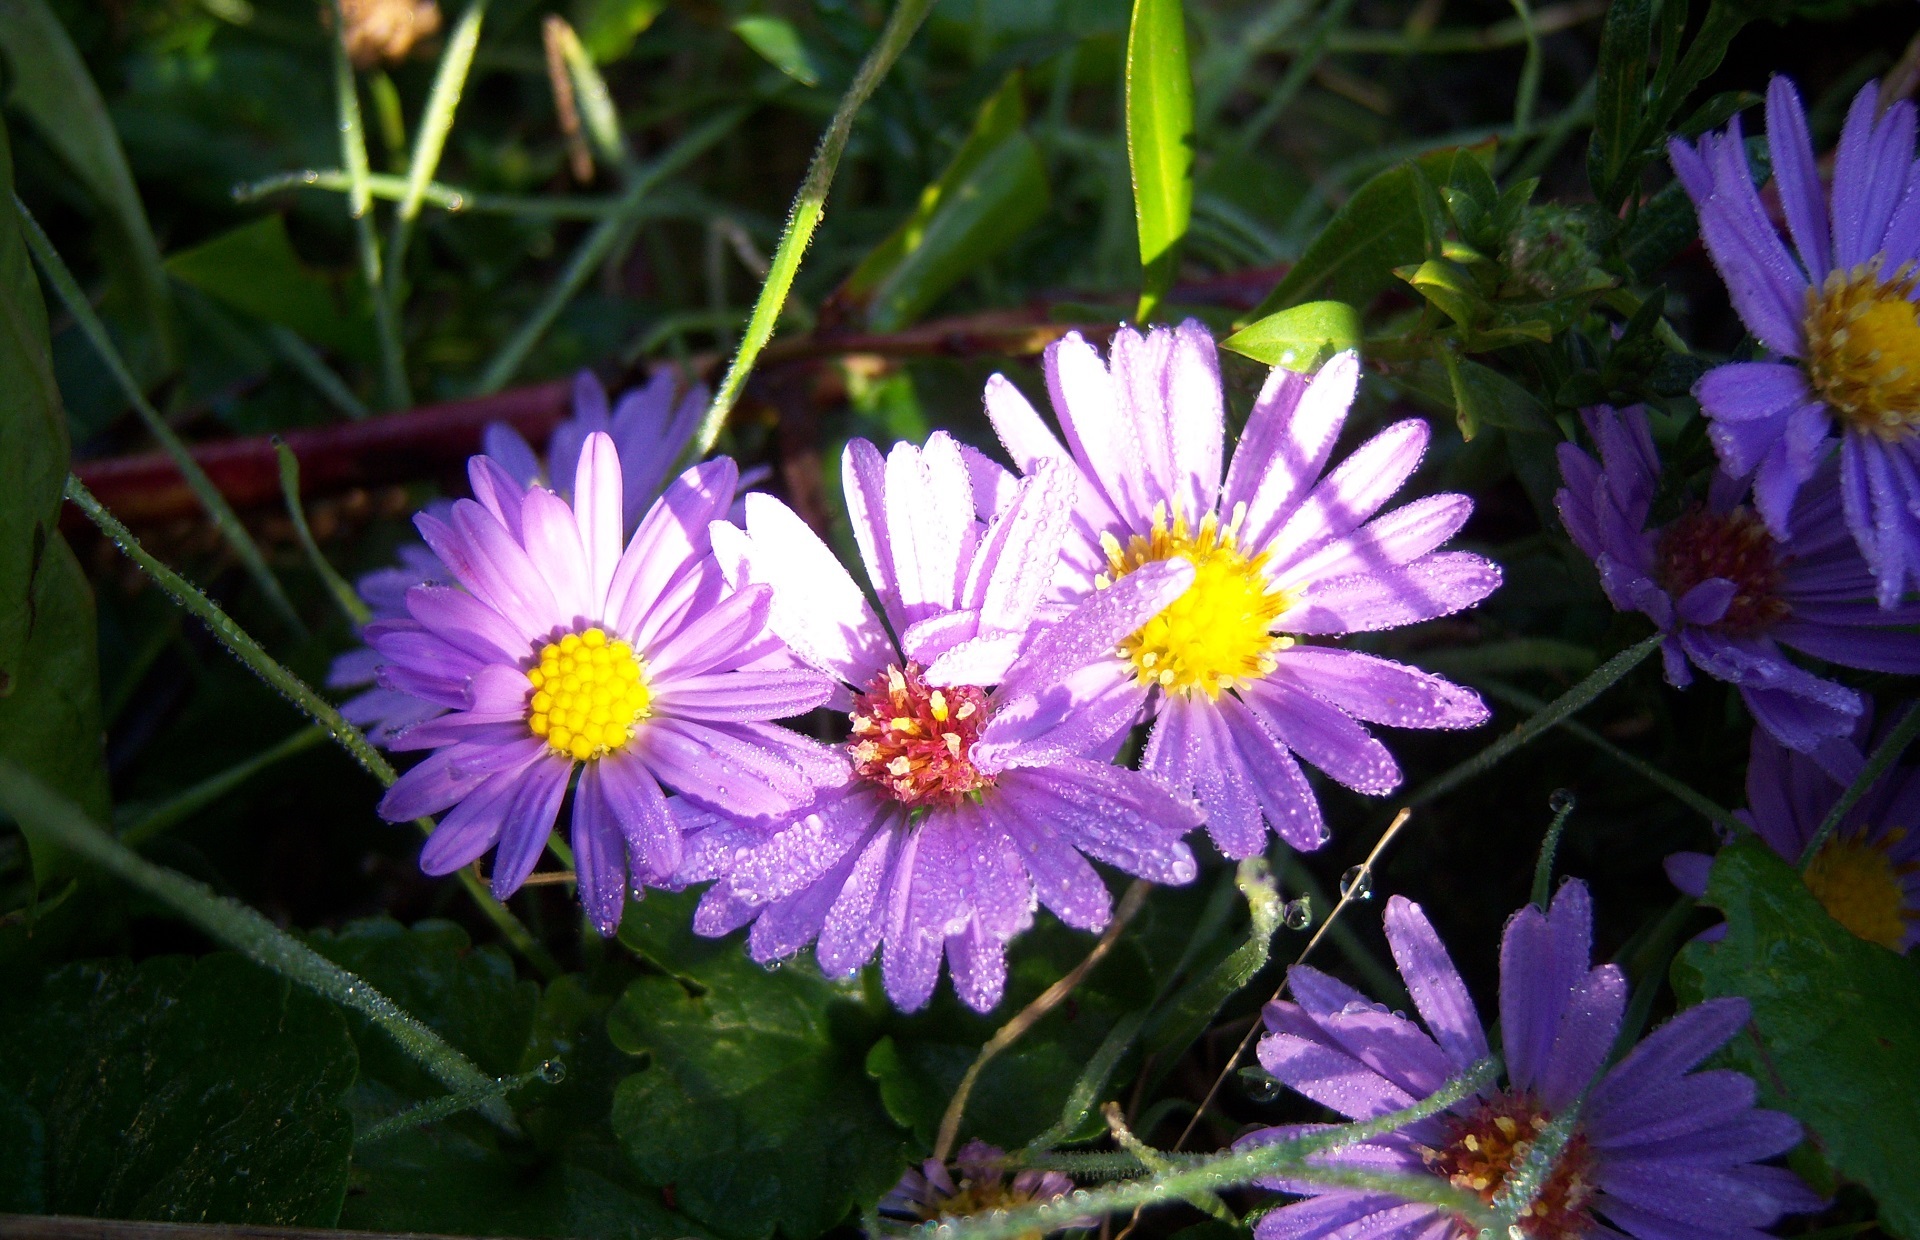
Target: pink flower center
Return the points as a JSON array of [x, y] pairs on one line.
[[1734, 545], [916, 741], [1483, 1147]]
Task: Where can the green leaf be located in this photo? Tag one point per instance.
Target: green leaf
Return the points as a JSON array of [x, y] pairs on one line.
[[1159, 142], [1482, 396], [1383, 226], [752, 1101], [608, 27], [1450, 287], [1298, 338], [203, 1091], [780, 45], [33, 435], [254, 269], [50, 723], [1837, 1019], [52, 89], [1188, 1012], [1620, 95]]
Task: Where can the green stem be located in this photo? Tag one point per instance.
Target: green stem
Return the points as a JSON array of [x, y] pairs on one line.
[[1887, 753], [1187, 1177], [596, 246], [149, 821], [224, 518], [244, 930], [449, 82], [551, 1071], [808, 207], [449, 198], [301, 356], [1549, 849], [232, 636], [343, 594], [1575, 699], [353, 153], [1683, 793], [1528, 94]]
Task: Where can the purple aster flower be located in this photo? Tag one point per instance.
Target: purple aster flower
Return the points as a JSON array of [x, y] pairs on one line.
[[1727, 592], [1656, 1150], [976, 1184], [1842, 321], [1867, 874], [649, 431], [557, 652], [1280, 555], [958, 803]]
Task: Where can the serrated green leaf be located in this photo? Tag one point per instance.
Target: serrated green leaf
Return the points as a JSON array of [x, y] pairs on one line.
[[1620, 95], [1837, 1018], [1159, 142], [753, 1101], [203, 1091], [780, 45], [1298, 338], [254, 269], [51, 87]]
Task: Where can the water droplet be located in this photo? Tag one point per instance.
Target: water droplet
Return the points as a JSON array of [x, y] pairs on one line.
[[1297, 913], [1561, 802], [1356, 883], [552, 1071], [1260, 1084]]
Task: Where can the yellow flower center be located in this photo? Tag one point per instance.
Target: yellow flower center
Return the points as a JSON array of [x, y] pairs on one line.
[[1219, 634], [1858, 883], [1863, 349], [588, 692]]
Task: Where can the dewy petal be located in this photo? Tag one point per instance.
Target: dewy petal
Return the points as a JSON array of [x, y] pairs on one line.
[[1436, 585], [1767, 287], [1099, 429], [1434, 983], [1399, 537], [1380, 690], [1588, 1026], [1285, 796], [863, 481], [1017, 554], [1196, 414], [1869, 172], [670, 539], [598, 505], [929, 508], [472, 827], [1092, 630], [1661, 1057], [1331, 1077], [817, 608], [529, 822], [1543, 958], [599, 852], [1288, 441], [640, 810], [463, 621], [1141, 378], [1325, 736], [552, 540], [1797, 178], [1388, 1043], [1357, 488]]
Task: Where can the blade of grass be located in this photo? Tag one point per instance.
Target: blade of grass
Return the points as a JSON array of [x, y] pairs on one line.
[[449, 198], [353, 153], [808, 206], [302, 357], [244, 930], [1884, 755], [146, 822], [255, 658], [595, 101], [430, 140], [550, 1071], [1307, 57], [596, 246], [1159, 108], [224, 518], [343, 594]]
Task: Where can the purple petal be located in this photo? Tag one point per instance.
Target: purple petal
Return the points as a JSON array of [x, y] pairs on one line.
[[1331, 1077], [510, 450], [1379, 690], [1092, 630], [1286, 798], [1438, 585], [1399, 537], [1289, 439], [1353, 492], [817, 608], [639, 810], [1869, 172], [1324, 736], [471, 827], [1664, 1054], [1434, 983], [1195, 415], [599, 505], [1795, 176], [599, 852], [1101, 430]]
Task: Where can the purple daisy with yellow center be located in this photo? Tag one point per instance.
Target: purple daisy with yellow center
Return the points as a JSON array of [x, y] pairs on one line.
[[1655, 1150], [1236, 672], [976, 778], [563, 649], [1867, 874], [1729, 593], [1842, 320]]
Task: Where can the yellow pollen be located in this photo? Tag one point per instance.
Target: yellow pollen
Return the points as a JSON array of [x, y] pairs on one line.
[[1219, 634], [1858, 883], [1863, 349], [589, 691]]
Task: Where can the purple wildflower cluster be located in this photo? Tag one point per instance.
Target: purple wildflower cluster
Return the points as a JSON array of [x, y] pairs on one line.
[[565, 630]]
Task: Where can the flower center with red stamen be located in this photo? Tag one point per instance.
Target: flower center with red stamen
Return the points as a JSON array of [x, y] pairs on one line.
[[1863, 349], [1862, 887], [1486, 1144], [1734, 545], [915, 741]]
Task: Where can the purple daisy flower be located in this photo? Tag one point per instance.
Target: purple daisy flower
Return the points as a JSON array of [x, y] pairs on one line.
[[976, 1184], [1867, 874], [649, 430], [1658, 1151], [1727, 592], [556, 651], [1843, 321], [958, 804], [1279, 553]]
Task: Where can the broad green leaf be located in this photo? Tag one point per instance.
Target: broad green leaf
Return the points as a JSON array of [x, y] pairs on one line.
[[50, 723], [1159, 142], [202, 1091], [1298, 338], [780, 45], [993, 189], [1620, 95], [1837, 1019], [608, 28], [1450, 287], [1383, 226], [52, 89], [1001, 197], [751, 1099], [254, 269]]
